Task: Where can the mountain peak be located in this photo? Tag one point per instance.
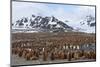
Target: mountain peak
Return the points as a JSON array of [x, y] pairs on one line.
[[45, 24]]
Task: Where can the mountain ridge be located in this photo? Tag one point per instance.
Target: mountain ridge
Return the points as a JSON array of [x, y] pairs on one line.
[[51, 24]]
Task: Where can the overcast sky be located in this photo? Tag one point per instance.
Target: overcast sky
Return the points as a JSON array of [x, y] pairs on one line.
[[72, 13]]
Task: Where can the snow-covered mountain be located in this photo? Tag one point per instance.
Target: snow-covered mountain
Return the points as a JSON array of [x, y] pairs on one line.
[[40, 24], [87, 25], [52, 24]]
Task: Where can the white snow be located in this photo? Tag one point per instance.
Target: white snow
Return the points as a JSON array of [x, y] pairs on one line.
[[73, 15]]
